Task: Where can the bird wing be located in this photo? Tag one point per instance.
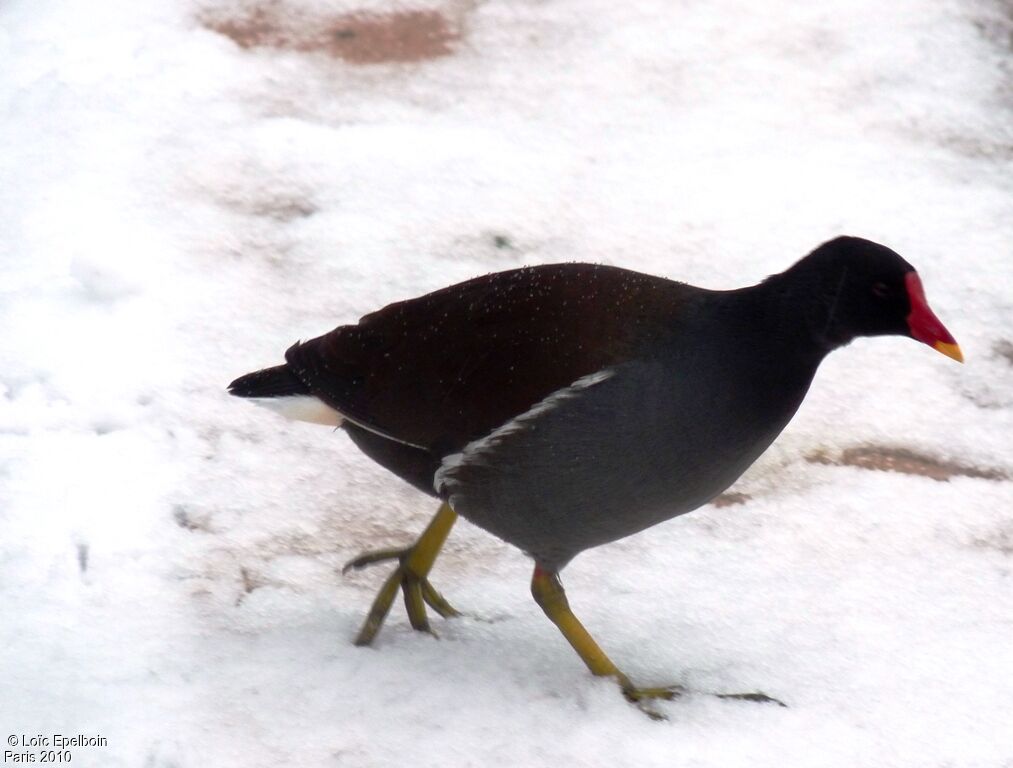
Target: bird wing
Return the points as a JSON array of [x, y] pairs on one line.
[[441, 370]]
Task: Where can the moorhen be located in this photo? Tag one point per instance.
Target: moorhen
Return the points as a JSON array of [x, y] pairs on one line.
[[565, 406]]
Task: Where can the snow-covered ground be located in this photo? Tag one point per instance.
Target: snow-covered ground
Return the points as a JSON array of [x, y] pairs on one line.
[[188, 187]]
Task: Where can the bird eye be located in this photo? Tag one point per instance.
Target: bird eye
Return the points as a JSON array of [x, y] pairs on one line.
[[880, 290]]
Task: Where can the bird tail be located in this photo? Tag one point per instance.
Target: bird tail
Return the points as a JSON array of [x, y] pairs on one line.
[[280, 390], [270, 382]]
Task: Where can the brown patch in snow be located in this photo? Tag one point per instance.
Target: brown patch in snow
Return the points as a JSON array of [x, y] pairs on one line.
[[904, 460], [730, 499], [407, 36]]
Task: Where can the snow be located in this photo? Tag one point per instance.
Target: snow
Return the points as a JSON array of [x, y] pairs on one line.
[[177, 209]]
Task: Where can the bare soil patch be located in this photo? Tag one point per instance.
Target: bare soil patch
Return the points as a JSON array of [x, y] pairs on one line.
[[906, 461], [359, 38], [730, 499]]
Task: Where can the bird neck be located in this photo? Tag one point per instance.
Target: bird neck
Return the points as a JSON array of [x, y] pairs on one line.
[[801, 310]]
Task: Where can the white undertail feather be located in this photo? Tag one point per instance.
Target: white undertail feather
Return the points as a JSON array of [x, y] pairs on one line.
[[475, 448], [302, 408]]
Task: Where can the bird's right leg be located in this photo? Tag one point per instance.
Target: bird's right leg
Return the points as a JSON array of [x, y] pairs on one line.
[[410, 576], [549, 594]]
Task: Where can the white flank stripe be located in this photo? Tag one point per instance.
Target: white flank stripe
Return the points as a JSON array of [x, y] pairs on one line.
[[301, 408], [473, 450]]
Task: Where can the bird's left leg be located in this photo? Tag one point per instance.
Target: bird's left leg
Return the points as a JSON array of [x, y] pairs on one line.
[[410, 576]]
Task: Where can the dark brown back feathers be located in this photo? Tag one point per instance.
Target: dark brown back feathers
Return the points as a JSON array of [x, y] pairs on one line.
[[449, 367]]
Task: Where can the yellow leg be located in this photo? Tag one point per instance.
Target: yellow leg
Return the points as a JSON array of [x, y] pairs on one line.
[[429, 544], [549, 594], [410, 577]]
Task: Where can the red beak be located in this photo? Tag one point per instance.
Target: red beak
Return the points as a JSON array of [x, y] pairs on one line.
[[924, 325]]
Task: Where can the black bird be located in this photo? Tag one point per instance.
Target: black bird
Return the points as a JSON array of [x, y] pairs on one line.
[[565, 406]]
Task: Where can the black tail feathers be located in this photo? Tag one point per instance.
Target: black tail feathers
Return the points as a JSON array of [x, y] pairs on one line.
[[270, 382]]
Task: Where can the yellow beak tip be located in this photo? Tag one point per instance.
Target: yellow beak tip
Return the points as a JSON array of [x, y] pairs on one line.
[[950, 350]]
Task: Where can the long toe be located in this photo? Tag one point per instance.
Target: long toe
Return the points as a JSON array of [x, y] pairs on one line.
[[379, 610], [437, 602], [418, 592], [411, 586], [376, 556], [756, 696]]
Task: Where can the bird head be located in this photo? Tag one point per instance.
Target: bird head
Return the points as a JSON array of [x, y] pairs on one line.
[[857, 287]]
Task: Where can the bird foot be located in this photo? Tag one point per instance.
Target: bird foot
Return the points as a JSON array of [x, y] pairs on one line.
[[417, 591], [666, 692], [642, 697]]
